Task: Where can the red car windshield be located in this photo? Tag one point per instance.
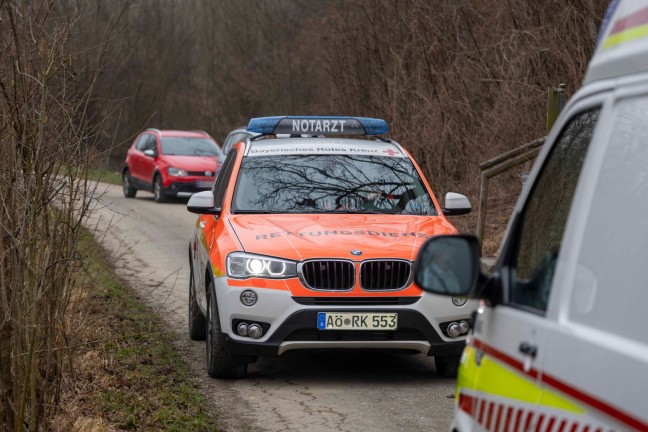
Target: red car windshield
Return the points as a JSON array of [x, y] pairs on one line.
[[185, 146]]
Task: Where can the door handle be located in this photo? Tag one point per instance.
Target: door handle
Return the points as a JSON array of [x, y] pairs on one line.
[[528, 349]]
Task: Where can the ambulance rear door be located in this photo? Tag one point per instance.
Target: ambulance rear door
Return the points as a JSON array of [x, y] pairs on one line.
[[500, 382], [597, 353]]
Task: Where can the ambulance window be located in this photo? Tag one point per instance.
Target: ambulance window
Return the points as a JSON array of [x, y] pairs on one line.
[[609, 288], [545, 214]]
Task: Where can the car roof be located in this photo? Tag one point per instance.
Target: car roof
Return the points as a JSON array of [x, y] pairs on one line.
[[317, 145], [622, 46], [243, 129], [180, 133]]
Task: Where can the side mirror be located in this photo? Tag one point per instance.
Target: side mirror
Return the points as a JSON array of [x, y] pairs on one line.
[[456, 204], [150, 153], [448, 265], [202, 203]]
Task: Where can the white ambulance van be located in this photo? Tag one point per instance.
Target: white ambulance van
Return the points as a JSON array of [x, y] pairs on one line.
[[560, 342]]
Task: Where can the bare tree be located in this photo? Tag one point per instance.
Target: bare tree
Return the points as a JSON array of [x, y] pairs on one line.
[[459, 82], [46, 142]]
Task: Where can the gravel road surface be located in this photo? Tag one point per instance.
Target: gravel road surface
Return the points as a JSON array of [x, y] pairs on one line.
[[313, 391]]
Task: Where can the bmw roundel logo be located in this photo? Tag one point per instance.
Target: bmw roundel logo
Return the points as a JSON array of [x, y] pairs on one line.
[[459, 301], [356, 252]]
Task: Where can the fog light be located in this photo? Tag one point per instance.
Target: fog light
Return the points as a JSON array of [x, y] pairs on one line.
[[255, 331], [463, 327], [248, 297], [242, 329], [454, 330]]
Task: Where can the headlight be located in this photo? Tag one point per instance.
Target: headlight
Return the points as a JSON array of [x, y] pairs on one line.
[[177, 172], [244, 265]]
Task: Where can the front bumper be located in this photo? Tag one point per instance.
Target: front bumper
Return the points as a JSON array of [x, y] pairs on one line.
[[188, 187], [291, 325], [299, 332]]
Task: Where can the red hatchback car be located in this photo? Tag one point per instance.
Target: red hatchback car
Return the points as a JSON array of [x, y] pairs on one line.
[[170, 163]]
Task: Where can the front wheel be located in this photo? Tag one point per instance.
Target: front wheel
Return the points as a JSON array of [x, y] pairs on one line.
[[127, 185], [197, 321], [158, 190], [220, 363], [447, 366]]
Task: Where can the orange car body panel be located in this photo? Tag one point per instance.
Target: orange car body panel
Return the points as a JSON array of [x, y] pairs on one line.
[[304, 236], [379, 234]]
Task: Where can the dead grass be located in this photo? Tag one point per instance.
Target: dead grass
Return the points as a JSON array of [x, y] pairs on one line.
[[127, 375], [105, 176]]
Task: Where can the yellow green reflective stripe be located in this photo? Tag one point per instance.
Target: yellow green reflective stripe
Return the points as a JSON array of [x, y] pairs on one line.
[[494, 378], [203, 240], [217, 272], [626, 36], [552, 399]]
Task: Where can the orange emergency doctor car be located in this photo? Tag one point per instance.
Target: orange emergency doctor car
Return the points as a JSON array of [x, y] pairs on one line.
[[307, 241]]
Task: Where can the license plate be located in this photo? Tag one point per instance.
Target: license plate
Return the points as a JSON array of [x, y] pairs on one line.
[[356, 321], [204, 184]]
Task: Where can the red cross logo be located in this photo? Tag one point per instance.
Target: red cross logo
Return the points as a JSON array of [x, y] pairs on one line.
[[390, 152]]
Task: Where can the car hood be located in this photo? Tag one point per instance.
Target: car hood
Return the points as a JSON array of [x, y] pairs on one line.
[[192, 163], [300, 237]]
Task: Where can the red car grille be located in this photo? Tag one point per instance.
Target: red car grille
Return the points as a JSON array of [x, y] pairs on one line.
[[201, 173]]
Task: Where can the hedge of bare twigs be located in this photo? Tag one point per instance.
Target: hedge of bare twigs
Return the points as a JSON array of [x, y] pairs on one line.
[[459, 81], [43, 200]]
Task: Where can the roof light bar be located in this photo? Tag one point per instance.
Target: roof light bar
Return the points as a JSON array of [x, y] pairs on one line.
[[297, 125]]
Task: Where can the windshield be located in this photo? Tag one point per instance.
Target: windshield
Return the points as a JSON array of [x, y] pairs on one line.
[[330, 184], [189, 146]]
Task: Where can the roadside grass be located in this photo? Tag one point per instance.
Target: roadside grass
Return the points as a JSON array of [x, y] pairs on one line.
[[105, 175], [128, 375]]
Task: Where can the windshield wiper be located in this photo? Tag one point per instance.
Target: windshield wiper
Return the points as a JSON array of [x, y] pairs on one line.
[[347, 211], [321, 211], [253, 211], [360, 211]]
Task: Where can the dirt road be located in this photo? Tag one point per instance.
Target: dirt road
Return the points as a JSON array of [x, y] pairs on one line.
[[323, 391]]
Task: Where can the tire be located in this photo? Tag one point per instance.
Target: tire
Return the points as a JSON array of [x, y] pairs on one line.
[[220, 363], [158, 190], [447, 366], [197, 321], [127, 185]]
